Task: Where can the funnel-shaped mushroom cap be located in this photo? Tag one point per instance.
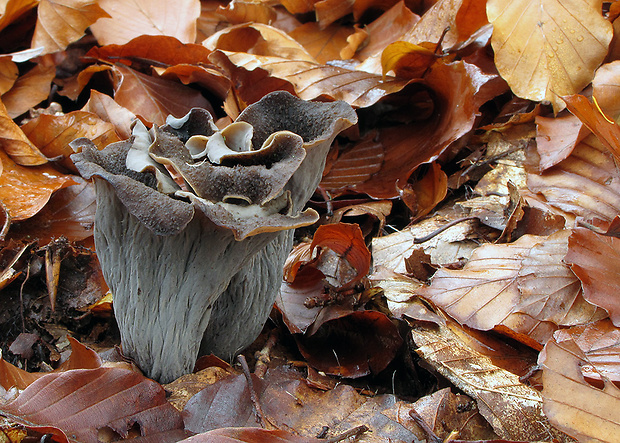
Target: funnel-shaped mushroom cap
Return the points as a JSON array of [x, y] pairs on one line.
[[183, 208]]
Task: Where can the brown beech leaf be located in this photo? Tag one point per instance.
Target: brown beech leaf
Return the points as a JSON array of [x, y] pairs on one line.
[[523, 289], [595, 259], [70, 212], [407, 59], [258, 39], [15, 143], [130, 19], [61, 22], [73, 86], [249, 435], [606, 131], [557, 137], [237, 12], [586, 184], [29, 90], [108, 110], [347, 241], [11, 10], [307, 283], [472, 16], [52, 133], [154, 98], [600, 342], [25, 190], [322, 44], [583, 411], [84, 402], [513, 409], [147, 49], [8, 73], [606, 87], [424, 194], [386, 29], [545, 49], [328, 11], [308, 79]]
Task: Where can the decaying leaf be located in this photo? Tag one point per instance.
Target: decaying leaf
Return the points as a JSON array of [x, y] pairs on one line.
[[15, 143], [546, 48], [29, 90]]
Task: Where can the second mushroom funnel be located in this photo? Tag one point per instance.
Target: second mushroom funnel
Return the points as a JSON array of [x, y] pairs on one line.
[[193, 224]]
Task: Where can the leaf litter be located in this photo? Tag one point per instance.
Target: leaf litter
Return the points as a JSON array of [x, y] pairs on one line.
[[461, 283]]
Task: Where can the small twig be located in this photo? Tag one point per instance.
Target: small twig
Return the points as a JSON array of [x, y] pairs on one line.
[[328, 201], [253, 396], [354, 432], [21, 298], [430, 433], [418, 240], [262, 357]]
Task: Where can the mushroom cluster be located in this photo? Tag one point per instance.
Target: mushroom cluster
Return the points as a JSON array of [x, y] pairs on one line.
[[193, 224]]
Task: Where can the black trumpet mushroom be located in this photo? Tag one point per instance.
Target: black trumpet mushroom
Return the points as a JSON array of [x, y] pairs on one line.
[[193, 224]]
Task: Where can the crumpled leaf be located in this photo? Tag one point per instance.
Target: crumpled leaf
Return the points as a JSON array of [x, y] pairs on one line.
[[130, 19], [25, 190], [249, 435], [83, 402], [546, 48], [154, 98], [15, 143], [583, 411], [61, 22], [108, 110], [513, 409], [595, 259], [29, 90]]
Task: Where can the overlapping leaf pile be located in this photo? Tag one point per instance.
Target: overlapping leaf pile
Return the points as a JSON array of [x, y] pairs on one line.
[[471, 218]]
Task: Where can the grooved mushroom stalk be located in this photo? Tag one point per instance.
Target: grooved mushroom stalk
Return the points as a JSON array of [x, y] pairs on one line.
[[195, 263]]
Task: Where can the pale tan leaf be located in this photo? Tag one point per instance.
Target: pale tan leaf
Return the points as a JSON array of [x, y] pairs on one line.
[[328, 11], [557, 137], [322, 44], [312, 80], [108, 110], [61, 22], [130, 19], [29, 90], [8, 74], [513, 409], [586, 184], [573, 405], [548, 48]]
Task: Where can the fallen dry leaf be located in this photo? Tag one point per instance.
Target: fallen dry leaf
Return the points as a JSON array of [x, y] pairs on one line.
[[248, 435], [8, 74], [595, 259], [15, 143], [29, 90], [61, 22], [108, 110], [322, 44], [557, 137], [605, 88], [25, 190], [12, 9], [154, 98], [237, 12], [583, 411], [513, 409], [130, 19], [545, 49]]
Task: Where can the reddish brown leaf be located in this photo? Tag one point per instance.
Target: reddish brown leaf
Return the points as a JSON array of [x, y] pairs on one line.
[[595, 259], [605, 88], [347, 241], [244, 11], [25, 190], [130, 19], [424, 194], [472, 16], [70, 212], [154, 98], [322, 44], [291, 300], [52, 133], [29, 90], [249, 435], [83, 402], [147, 49], [15, 143], [61, 22]]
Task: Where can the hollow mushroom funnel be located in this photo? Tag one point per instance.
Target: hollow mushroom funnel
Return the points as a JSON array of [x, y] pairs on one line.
[[193, 224]]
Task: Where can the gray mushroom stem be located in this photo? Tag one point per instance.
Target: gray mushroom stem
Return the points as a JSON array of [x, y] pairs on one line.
[[193, 224]]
